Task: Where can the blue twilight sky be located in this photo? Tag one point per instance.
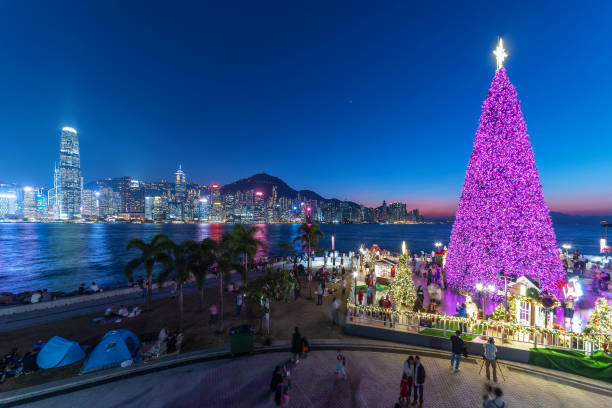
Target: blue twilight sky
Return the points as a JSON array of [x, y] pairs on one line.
[[355, 100]]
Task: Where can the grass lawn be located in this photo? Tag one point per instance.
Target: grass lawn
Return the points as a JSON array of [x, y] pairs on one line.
[[314, 322], [449, 333], [598, 366]]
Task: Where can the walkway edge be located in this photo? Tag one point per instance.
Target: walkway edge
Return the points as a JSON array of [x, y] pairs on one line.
[[66, 386]]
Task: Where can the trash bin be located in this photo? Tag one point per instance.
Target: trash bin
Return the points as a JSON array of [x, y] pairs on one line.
[[241, 339]]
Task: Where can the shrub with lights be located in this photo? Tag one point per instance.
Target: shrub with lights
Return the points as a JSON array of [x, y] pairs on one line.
[[402, 288]]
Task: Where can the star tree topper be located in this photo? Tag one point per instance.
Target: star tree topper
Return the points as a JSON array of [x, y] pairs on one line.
[[500, 54]]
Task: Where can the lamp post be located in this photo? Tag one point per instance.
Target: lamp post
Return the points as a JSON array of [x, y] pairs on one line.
[[333, 239], [484, 291], [355, 286], [567, 247]]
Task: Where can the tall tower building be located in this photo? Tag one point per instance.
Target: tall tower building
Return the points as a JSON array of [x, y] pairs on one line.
[[180, 185], [69, 182]]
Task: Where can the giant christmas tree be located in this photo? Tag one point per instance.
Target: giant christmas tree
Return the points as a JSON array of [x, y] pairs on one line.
[[502, 222]]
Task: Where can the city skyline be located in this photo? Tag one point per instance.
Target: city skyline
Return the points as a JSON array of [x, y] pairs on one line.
[[251, 101]]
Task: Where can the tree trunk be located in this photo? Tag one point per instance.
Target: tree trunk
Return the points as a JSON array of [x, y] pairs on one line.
[[180, 307], [201, 297], [220, 319], [246, 269], [309, 274], [149, 289]]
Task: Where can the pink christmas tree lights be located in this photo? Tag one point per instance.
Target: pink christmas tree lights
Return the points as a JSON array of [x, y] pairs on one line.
[[502, 222]]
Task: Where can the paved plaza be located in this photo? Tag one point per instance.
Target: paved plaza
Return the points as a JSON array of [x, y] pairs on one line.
[[373, 381]]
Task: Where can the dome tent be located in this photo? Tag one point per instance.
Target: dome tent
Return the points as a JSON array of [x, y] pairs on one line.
[[115, 347], [59, 352]]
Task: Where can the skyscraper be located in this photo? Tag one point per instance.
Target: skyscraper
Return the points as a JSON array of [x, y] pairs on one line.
[[29, 203], [68, 180], [180, 185]]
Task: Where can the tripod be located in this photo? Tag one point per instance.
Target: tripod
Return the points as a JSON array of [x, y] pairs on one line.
[[498, 366]]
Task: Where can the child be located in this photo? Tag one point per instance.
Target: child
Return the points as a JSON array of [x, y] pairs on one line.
[[341, 363], [405, 387]]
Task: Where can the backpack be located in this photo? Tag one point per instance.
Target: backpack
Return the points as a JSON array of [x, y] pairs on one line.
[[305, 345]]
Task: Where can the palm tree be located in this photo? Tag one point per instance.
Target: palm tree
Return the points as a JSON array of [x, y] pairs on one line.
[[225, 256], [246, 245], [309, 235], [204, 257], [149, 256], [287, 248], [182, 260]]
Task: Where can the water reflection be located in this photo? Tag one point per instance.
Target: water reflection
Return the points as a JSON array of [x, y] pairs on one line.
[[61, 256]]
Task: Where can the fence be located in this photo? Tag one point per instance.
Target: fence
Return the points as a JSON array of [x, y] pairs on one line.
[[443, 325]]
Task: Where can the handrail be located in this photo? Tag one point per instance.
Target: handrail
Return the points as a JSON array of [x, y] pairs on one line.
[[587, 342]]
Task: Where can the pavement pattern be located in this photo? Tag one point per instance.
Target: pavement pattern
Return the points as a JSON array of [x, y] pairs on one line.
[[372, 381]]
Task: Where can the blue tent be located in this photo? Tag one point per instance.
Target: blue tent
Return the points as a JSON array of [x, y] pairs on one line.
[[116, 346], [59, 352]]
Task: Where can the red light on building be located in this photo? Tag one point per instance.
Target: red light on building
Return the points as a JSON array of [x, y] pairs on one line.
[[215, 186], [259, 193]]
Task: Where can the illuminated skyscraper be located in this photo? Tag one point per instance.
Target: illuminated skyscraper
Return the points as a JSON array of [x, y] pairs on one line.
[[180, 185], [90, 203], [29, 203], [216, 206], [68, 180]]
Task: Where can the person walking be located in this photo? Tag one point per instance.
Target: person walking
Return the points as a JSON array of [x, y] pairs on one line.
[[238, 304], [419, 381], [213, 314], [360, 296], [420, 294], [461, 312], [341, 362], [407, 373], [319, 294], [495, 400], [343, 286], [457, 349], [335, 312], [404, 390], [296, 345], [408, 367], [386, 305], [490, 352], [369, 296]]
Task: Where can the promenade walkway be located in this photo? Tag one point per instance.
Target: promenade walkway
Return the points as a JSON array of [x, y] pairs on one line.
[[84, 306], [373, 381]]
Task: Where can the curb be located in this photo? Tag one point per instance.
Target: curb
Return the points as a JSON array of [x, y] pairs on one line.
[[72, 384]]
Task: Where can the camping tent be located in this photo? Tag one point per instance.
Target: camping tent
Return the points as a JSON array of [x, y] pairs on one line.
[[116, 346], [59, 352]]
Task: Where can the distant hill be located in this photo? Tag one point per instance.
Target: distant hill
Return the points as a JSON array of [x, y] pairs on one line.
[[264, 183]]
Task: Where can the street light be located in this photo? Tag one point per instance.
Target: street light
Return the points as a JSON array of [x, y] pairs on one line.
[[480, 288], [355, 287], [567, 247], [438, 245]]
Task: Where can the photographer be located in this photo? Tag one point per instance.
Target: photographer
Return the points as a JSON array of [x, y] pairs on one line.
[[490, 352], [458, 347]]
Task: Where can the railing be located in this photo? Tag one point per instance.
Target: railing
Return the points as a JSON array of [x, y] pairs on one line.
[[444, 325]]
